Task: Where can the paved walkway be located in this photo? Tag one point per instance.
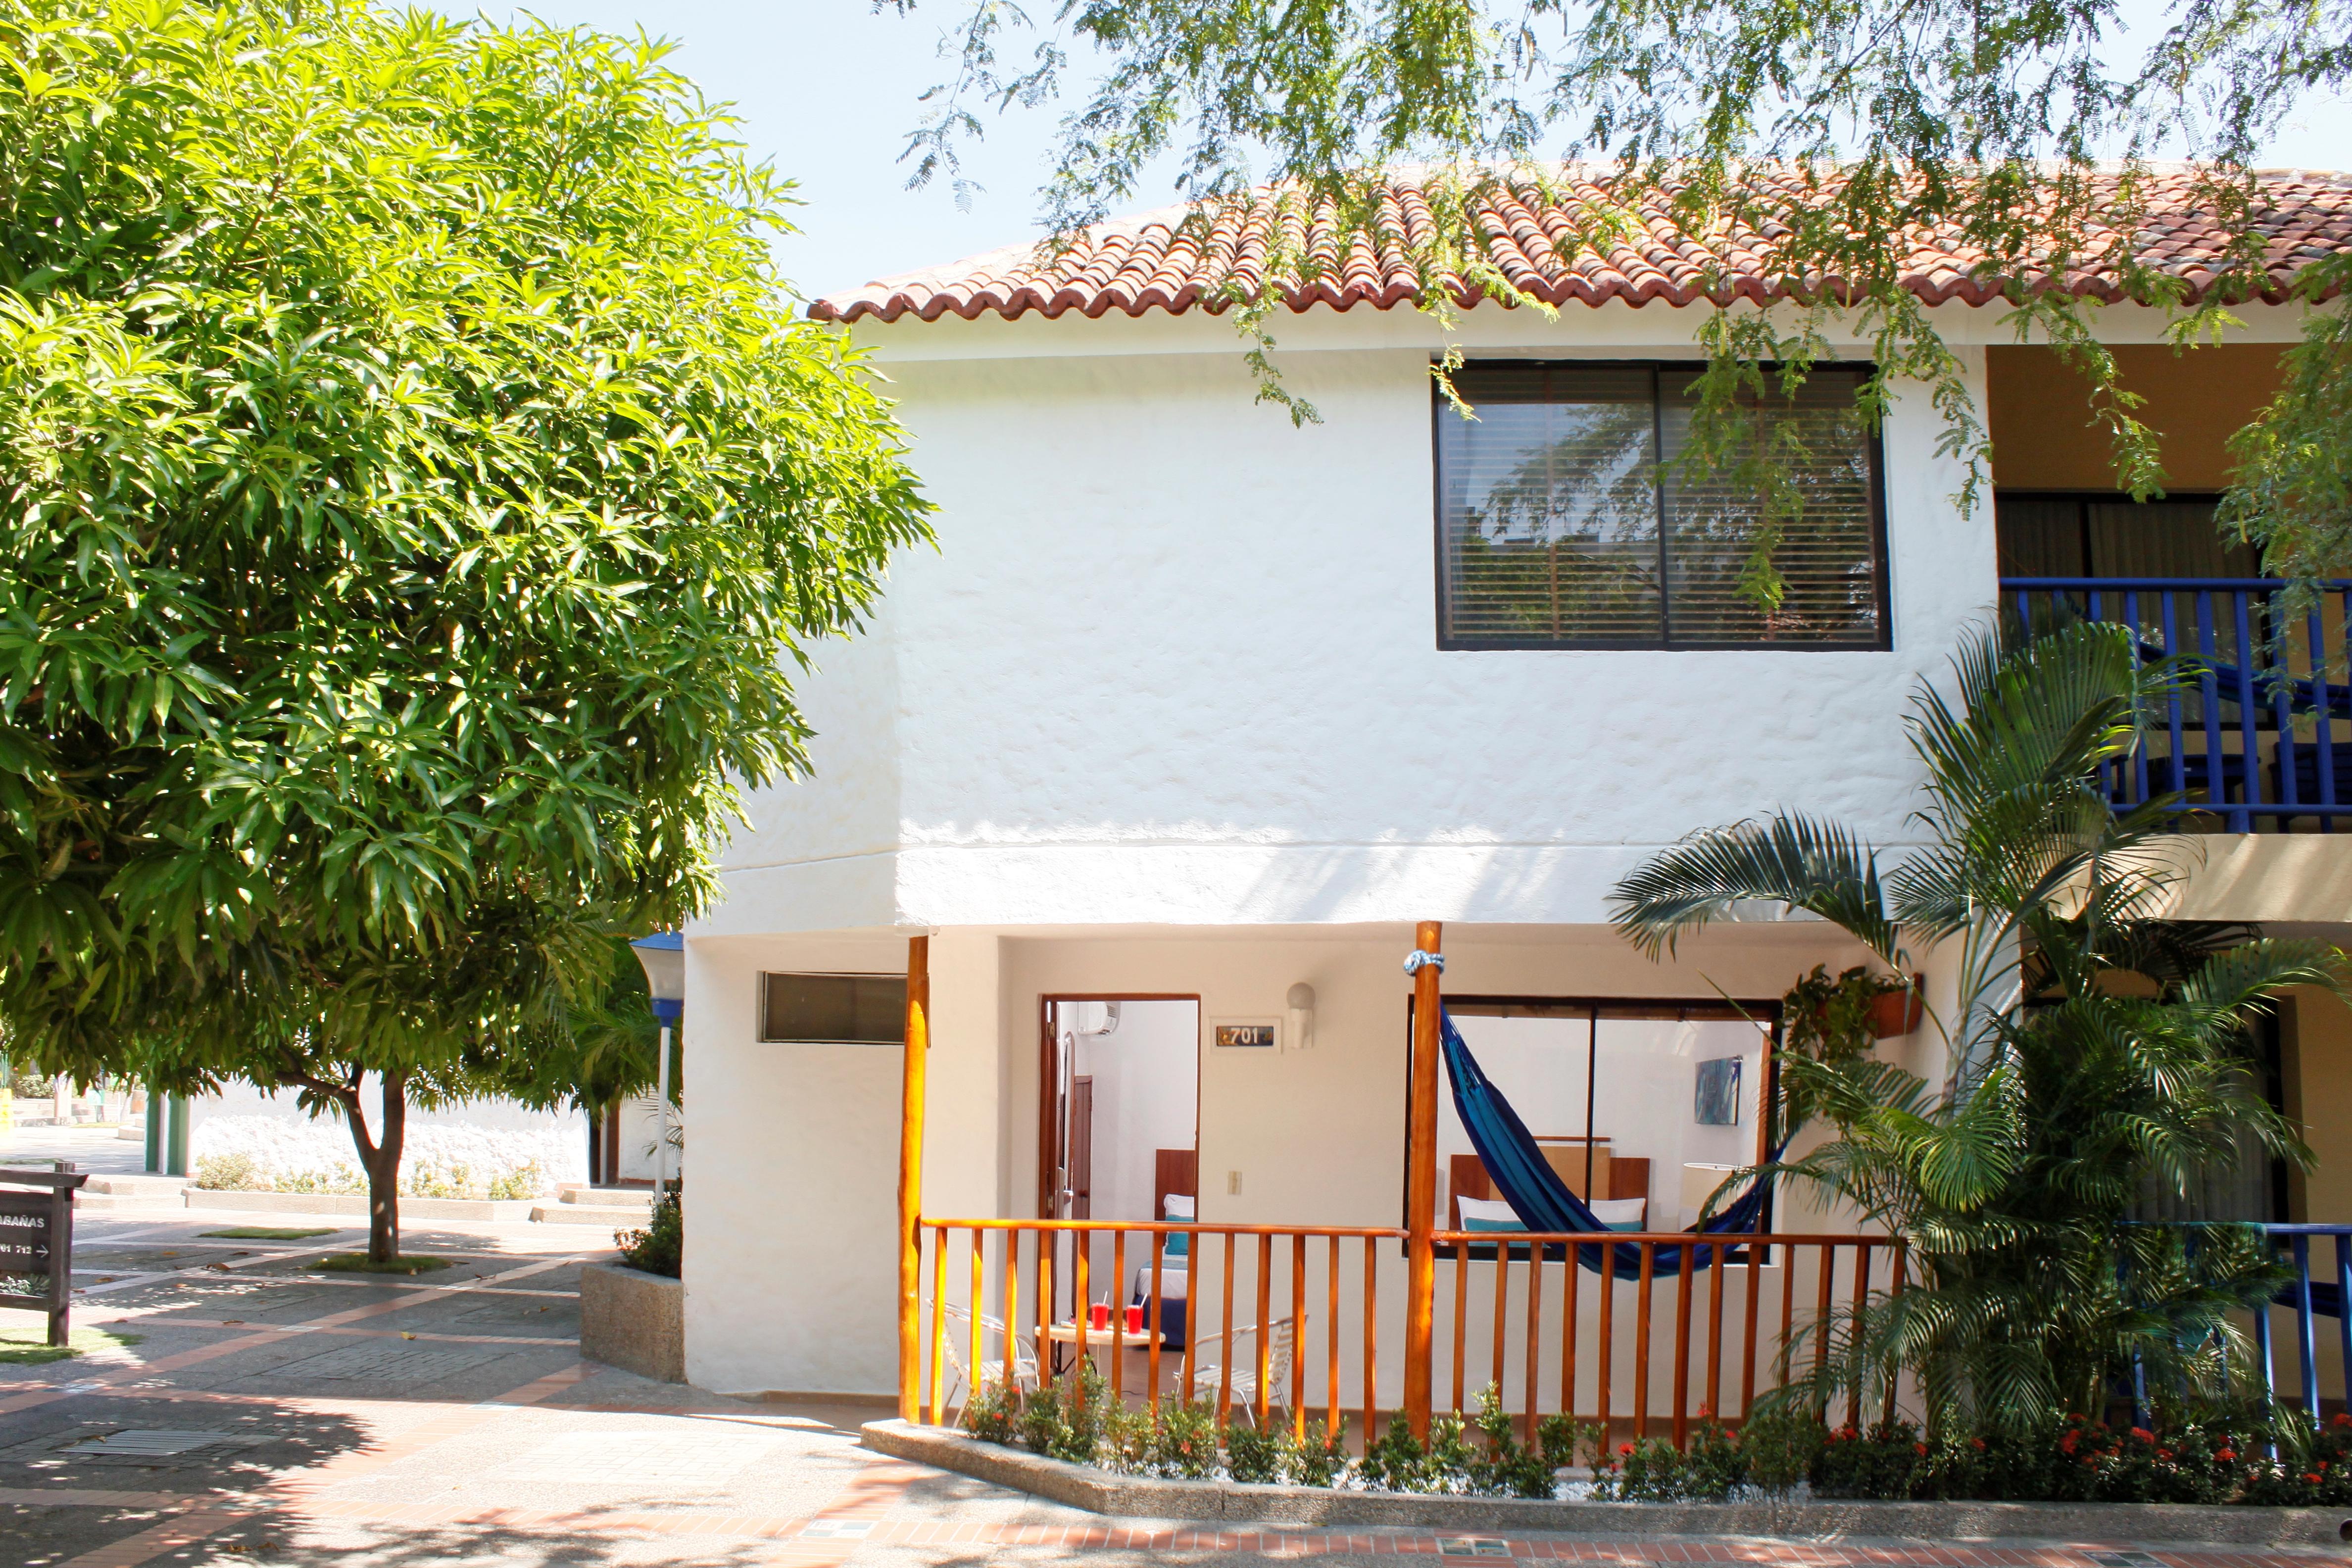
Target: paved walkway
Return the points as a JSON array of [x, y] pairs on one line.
[[93, 1148], [270, 1415]]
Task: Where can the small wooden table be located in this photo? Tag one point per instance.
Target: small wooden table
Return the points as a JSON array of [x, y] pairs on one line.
[[1115, 1337]]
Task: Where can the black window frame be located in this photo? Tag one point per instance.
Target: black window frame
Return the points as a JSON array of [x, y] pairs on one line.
[[1441, 409]]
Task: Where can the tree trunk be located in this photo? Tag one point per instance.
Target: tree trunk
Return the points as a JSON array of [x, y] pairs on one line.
[[384, 1175], [380, 1158]]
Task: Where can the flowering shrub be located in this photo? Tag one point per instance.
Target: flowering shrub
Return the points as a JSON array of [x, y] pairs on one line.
[[1883, 1462], [2313, 1468], [2210, 1459]]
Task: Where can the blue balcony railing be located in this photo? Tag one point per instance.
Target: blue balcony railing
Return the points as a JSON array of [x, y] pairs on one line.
[[2311, 1300], [2261, 738]]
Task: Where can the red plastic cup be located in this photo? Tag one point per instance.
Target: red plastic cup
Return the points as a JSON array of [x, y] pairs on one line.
[[1099, 1315], [1135, 1320]]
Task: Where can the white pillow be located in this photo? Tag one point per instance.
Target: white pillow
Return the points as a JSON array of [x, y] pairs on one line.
[[1619, 1211], [1494, 1214], [1180, 1205]]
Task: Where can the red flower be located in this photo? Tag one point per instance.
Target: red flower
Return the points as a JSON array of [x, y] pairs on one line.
[[1978, 1444], [2143, 1434], [2226, 1454], [2163, 1453], [2066, 1444], [2313, 1479], [2341, 1420], [1623, 1450], [1919, 1447]]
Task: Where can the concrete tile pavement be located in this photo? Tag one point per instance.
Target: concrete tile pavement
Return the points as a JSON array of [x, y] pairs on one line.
[[274, 1415]]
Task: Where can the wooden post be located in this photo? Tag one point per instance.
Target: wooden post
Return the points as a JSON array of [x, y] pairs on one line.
[[910, 1180], [61, 1259], [1421, 1186]]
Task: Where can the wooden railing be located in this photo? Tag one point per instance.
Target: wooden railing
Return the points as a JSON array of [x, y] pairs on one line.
[[2258, 739], [1041, 1276], [2323, 1383], [1761, 1302], [1549, 1335]]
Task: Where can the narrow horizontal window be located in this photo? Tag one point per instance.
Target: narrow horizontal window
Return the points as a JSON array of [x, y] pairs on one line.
[[834, 1009], [1569, 516]]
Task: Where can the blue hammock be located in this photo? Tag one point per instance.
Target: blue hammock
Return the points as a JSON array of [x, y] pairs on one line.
[[1542, 1200]]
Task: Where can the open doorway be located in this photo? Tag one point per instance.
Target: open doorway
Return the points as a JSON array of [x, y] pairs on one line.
[[1119, 1111]]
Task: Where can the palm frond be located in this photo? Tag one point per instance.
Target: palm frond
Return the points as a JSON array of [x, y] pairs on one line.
[[1784, 859]]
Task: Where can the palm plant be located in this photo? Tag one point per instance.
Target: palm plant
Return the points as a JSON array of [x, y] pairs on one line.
[[2068, 1090]]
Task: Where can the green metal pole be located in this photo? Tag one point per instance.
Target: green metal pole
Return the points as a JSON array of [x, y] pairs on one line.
[[177, 1154], [157, 1107]]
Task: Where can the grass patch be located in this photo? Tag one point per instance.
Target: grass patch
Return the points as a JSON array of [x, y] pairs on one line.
[[31, 1347], [267, 1232], [358, 1263]]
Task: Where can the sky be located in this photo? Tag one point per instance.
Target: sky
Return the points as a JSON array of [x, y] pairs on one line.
[[829, 89]]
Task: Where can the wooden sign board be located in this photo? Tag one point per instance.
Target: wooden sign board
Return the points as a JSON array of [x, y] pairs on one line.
[[36, 1242]]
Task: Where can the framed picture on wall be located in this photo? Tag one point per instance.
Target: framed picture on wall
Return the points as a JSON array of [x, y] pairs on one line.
[[1245, 1033], [1717, 1101]]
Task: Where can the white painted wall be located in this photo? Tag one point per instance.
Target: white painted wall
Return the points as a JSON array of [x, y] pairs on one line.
[[1175, 661], [1146, 1080]]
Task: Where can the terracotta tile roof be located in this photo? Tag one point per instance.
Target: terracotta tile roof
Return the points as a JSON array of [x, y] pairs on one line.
[[1147, 262]]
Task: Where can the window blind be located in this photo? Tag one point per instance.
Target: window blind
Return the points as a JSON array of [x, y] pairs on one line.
[[1565, 521]]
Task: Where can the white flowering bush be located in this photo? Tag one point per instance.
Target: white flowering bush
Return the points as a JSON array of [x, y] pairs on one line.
[[267, 1154]]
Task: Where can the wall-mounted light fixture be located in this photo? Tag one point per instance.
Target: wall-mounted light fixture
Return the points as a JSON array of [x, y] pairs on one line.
[[663, 954], [1301, 1004]]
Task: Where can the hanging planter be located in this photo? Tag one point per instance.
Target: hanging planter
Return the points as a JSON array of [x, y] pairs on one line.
[[1896, 1012]]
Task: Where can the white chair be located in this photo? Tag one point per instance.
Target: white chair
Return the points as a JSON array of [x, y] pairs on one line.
[[959, 1338], [1280, 1346]]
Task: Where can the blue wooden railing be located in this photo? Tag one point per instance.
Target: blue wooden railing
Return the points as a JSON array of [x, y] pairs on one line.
[[2310, 1300], [2261, 737]]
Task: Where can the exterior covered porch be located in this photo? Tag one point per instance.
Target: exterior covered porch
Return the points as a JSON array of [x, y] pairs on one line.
[[915, 1228], [1302, 1160]]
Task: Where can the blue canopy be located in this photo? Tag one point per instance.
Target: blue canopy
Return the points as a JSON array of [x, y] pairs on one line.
[[1542, 1200]]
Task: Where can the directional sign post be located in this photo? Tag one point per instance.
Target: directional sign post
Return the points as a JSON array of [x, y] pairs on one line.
[[36, 1241]]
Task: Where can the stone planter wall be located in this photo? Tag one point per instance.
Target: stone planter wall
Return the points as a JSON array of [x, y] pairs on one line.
[[633, 1321], [1099, 1491]]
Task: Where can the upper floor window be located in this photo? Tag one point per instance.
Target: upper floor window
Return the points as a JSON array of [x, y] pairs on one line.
[[2060, 533], [1558, 525]]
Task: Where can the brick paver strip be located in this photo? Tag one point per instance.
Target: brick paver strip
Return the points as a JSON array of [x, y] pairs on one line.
[[185, 1530], [426, 1335]]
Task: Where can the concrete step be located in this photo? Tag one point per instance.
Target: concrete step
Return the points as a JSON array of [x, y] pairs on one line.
[[638, 1198], [613, 1216], [113, 1190], [119, 1184]]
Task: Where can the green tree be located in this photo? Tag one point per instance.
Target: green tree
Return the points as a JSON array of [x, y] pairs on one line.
[[1828, 137], [419, 497], [2097, 1051]]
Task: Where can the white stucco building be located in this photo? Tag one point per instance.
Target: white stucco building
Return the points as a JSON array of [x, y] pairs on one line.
[[1190, 707]]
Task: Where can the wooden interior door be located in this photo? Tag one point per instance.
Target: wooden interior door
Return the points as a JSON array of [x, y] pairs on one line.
[[1082, 1148]]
